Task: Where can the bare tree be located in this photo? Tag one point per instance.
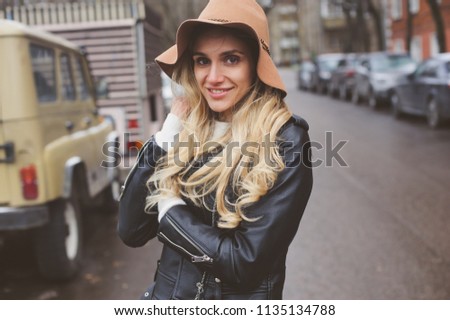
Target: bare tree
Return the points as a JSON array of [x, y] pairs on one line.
[[409, 26], [173, 12], [358, 35], [439, 22], [374, 11]]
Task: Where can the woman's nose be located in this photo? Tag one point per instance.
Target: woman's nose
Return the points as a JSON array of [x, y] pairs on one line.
[[215, 73]]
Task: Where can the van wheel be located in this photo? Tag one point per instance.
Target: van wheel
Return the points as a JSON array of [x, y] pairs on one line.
[[110, 196], [434, 118], [58, 244]]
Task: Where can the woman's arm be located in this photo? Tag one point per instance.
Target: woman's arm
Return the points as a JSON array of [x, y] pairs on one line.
[[135, 226], [245, 254]]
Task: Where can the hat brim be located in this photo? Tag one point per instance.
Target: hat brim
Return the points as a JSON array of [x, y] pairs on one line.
[[266, 70]]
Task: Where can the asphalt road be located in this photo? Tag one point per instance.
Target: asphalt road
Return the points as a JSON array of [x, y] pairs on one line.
[[376, 227]]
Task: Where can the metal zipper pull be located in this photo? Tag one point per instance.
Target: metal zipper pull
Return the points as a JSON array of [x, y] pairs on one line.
[[204, 258], [200, 287]]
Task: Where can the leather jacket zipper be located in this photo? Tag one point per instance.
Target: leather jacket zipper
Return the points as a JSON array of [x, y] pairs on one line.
[[194, 258]]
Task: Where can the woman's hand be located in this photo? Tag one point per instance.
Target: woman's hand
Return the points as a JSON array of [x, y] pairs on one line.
[[179, 107]]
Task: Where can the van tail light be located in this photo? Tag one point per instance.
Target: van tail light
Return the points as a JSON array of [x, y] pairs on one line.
[[28, 177], [134, 146], [133, 124]]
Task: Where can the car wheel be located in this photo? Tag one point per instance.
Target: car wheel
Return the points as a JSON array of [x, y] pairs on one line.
[[330, 90], [372, 100], [396, 106], [320, 88], [58, 244], [356, 99], [342, 92], [434, 118]]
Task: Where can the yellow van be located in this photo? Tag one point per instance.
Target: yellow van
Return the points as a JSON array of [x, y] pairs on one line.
[[51, 141]]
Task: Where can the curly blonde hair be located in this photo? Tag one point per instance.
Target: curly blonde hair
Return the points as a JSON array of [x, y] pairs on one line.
[[257, 118]]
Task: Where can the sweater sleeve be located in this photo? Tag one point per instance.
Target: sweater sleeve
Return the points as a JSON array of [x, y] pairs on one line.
[[166, 136]]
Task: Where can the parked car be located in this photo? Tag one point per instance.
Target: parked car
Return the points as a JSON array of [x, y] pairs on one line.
[[305, 75], [426, 91], [342, 78], [51, 143], [376, 75], [324, 65]]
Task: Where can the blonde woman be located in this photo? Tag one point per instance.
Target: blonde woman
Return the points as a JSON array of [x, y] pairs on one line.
[[225, 182]]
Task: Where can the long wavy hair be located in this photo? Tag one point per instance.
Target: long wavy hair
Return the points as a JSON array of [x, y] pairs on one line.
[[236, 176]]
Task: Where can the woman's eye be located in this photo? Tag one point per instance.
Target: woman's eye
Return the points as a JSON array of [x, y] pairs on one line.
[[201, 61], [232, 59]]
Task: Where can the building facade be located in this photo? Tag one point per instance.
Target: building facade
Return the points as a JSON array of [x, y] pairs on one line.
[[324, 28], [284, 32], [423, 29]]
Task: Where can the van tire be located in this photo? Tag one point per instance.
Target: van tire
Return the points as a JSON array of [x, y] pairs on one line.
[[110, 196], [58, 244]]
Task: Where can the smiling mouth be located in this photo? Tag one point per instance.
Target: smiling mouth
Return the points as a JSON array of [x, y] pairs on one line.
[[218, 91]]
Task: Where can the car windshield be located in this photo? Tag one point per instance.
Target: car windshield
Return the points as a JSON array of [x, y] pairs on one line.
[[447, 68], [328, 64], [307, 66], [384, 63]]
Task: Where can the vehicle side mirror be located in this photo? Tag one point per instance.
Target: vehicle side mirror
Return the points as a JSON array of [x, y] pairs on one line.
[[101, 88]]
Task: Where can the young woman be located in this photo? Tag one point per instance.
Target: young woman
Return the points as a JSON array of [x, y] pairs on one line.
[[225, 182]]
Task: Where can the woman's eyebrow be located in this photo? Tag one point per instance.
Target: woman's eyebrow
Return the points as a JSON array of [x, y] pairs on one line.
[[225, 53]]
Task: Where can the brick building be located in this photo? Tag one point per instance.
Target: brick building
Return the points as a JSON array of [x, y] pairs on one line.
[[423, 38]]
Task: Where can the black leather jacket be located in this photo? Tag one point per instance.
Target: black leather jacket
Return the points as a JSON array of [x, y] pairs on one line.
[[200, 260]]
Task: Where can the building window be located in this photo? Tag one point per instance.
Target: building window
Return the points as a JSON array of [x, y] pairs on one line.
[[434, 46], [416, 48], [397, 9], [398, 46], [330, 9], [414, 6]]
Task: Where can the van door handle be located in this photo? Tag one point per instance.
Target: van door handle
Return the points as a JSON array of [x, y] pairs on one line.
[[69, 126]]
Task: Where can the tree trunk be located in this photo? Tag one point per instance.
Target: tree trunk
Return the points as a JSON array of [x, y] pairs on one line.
[[409, 27], [349, 45], [439, 22], [377, 19]]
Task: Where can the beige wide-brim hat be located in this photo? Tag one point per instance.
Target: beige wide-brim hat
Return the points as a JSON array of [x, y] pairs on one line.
[[246, 15]]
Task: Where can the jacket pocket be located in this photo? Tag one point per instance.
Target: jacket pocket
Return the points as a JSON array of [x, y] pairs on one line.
[[164, 287]]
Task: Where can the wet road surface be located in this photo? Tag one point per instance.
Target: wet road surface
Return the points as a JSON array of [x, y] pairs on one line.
[[376, 229]]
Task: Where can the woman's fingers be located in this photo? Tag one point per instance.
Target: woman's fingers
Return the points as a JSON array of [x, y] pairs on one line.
[[179, 107]]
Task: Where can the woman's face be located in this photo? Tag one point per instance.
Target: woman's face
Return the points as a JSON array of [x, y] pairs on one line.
[[223, 68]]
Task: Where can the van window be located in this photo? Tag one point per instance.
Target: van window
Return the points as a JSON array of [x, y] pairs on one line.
[[67, 86], [43, 64], [80, 79]]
